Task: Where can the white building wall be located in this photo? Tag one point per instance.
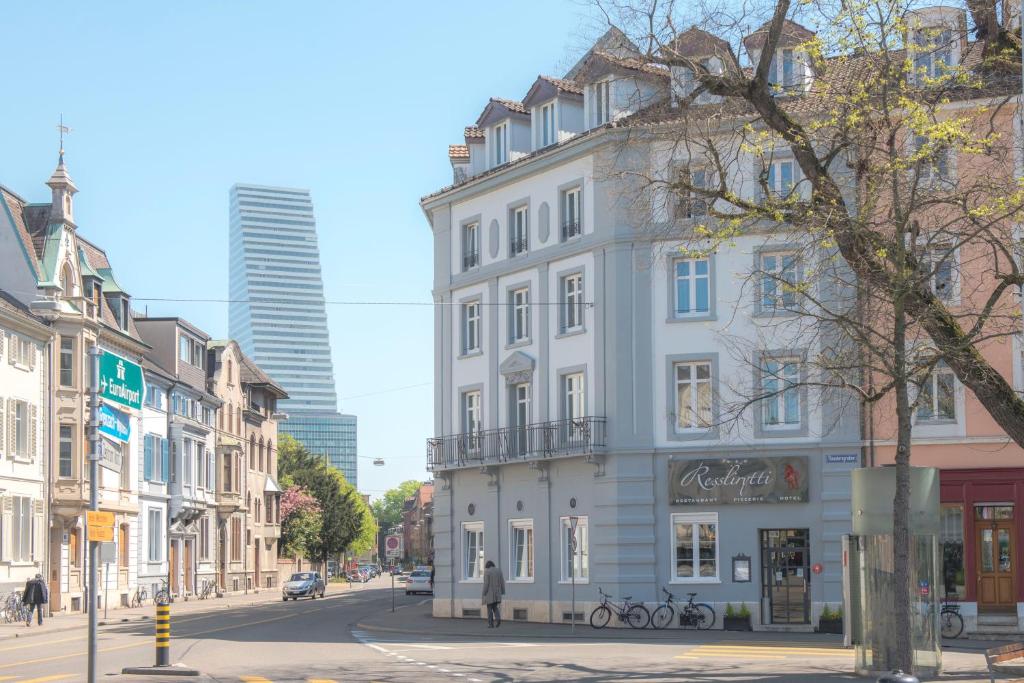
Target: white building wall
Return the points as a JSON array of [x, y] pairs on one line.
[[152, 495]]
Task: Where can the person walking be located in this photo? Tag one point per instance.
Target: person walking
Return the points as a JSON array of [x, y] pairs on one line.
[[35, 598], [494, 588]]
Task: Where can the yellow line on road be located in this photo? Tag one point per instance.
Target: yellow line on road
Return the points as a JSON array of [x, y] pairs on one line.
[[787, 650], [44, 679], [254, 679], [36, 644], [320, 680]]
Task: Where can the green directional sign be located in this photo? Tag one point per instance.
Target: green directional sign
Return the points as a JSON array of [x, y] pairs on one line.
[[120, 380]]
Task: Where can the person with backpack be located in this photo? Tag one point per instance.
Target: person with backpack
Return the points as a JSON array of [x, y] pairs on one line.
[[34, 597]]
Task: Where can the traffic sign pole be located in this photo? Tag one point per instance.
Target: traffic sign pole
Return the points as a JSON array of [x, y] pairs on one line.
[[94, 498], [573, 521]]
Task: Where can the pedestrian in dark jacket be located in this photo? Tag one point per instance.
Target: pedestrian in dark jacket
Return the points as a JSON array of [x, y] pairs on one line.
[[494, 588], [35, 598]]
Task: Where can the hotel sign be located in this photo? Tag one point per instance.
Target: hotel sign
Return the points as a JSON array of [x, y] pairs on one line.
[[738, 481]]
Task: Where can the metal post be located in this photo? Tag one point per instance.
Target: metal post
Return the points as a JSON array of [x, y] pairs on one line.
[[163, 634], [94, 498], [106, 587], [392, 591]]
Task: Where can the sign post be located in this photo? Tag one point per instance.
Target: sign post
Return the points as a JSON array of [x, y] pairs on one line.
[[573, 521], [94, 476], [393, 550]]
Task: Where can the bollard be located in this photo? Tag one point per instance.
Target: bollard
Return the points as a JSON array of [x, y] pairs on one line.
[[163, 635], [898, 677]]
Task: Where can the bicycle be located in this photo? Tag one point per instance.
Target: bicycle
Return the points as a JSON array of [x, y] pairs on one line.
[[140, 597], [697, 614], [636, 615], [163, 596], [207, 589], [950, 622], [13, 609]]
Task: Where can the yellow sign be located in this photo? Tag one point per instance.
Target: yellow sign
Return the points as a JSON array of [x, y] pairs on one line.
[[101, 525], [99, 518]]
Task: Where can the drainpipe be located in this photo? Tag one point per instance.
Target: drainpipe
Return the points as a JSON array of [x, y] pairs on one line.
[[47, 465]]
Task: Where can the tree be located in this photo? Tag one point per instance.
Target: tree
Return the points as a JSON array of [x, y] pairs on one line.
[[300, 522], [388, 508], [867, 111]]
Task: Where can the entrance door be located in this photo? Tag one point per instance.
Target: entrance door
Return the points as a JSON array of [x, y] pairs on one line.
[[785, 576], [995, 529], [174, 567], [188, 567]]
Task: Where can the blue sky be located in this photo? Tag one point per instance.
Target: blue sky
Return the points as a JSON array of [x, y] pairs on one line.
[[172, 103]]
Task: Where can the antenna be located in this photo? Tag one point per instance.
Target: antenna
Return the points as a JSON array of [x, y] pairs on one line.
[[62, 130]]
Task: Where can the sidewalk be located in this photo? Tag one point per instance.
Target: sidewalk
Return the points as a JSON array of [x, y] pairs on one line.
[[65, 621]]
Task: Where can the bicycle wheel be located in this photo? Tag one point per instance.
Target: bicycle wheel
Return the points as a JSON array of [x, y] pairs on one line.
[[662, 617], [703, 616], [952, 624], [638, 616], [600, 617]]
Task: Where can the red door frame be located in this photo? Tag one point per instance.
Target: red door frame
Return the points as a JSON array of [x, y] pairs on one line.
[[994, 485]]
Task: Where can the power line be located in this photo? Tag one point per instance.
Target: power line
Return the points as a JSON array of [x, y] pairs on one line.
[[387, 391], [588, 304]]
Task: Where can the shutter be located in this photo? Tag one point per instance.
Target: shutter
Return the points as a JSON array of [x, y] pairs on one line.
[[12, 436], [33, 431], [164, 460], [6, 512], [32, 356], [1, 346], [147, 457], [38, 531], [3, 444], [12, 349]]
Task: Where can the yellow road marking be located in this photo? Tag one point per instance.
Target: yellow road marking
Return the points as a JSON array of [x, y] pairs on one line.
[[320, 680], [43, 679], [787, 650], [687, 657], [254, 679]]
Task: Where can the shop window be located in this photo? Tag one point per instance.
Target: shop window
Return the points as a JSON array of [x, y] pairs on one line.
[[696, 548], [952, 538], [991, 512]]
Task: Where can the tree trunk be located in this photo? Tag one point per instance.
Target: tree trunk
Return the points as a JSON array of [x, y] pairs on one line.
[[901, 655]]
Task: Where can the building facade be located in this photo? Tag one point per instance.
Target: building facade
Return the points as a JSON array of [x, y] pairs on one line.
[[154, 478], [582, 384], [73, 287], [180, 348], [417, 526], [24, 447], [275, 260]]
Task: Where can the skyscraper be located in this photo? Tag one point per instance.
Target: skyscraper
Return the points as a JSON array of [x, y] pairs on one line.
[[278, 315]]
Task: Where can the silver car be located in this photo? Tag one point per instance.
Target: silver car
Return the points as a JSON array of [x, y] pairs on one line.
[[303, 585], [419, 582]]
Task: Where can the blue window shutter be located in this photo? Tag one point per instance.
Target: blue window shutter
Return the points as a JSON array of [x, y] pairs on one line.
[[147, 462], [165, 459]]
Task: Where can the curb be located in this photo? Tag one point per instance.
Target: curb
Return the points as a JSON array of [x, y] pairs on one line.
[[158, 671]]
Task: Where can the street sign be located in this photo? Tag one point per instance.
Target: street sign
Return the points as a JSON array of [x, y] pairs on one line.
[[101, 525], [120, 380], [111, 456], [115, 423], [393, 547], [108, 553]]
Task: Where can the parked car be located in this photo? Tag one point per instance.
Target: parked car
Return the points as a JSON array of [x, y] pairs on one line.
[[371, 569], [354, 575], [419, 582], [365, 573], [303, 585]]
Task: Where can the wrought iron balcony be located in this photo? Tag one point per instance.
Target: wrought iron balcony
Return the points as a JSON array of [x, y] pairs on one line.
[[470, 260], [538, 441], [520, 246], [571, 229]]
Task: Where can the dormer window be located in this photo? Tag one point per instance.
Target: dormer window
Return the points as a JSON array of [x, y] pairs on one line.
[[548, 133], [500, 144], [121, 310], [786, 71], [933, 50], [602, 103]]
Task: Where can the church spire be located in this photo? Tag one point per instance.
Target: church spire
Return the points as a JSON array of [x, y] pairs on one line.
[[61, 186]]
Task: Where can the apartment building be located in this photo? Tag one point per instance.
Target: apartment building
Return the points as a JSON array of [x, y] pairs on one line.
[[154, 478], [582, 384], [24, 446], [179, 349], [68, 281], [249, 495]]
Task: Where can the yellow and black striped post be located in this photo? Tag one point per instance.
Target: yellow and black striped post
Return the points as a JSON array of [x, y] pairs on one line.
[[163, 635]]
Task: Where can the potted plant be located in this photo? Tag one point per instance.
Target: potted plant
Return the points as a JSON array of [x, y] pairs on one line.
[[737, 619], [831, 620]]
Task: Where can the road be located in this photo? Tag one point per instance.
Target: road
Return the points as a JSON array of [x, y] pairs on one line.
[[352, 636]]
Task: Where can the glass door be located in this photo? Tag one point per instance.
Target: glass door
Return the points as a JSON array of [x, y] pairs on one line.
[[785, 576]]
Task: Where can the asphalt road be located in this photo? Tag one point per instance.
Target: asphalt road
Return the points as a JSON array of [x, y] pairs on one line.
[[352, 636]]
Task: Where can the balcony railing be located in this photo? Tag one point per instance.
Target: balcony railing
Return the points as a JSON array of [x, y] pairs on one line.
[[571, 229], [520, 246], [538, 441], [470, 260]]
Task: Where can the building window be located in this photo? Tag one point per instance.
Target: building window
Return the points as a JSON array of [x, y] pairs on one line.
[[521, 549], [123, 545], [67, 361], [548, 133], [470, 326], [520, 231], [470, 245], [932, 160], [184, 347], [74, 550], [785, 73], [156, 535], [696, 547], [933, 54], [575, 558], [602, 103], [574, 396], [228, 478], [693, 396], [21, 529], [780, 407], [500, 144], [939, 266], [572, 302], [693, 287], [572, 224], [779, 280], [519, 320], [65, 457], [471, 413], [692, 204], [204, 538], [236, 539], [23, 433], [951, 530], [472, 551], [186, 461], [781, 175], [937, 400]]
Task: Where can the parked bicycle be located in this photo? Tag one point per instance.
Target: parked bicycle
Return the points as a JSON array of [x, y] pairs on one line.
[[13, 610], [140, 597], [695, 614], [950, 622], [208, 589], [163, 596], [636, 615]]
